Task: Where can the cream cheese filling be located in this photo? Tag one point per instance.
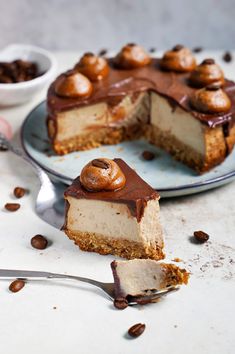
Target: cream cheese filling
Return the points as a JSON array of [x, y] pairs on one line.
[[114, 220]]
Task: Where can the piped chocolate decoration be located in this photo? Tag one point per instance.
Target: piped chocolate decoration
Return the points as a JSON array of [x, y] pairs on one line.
[[102, 175], [207, 73], [73, 85], [179, 59], [94, 67], [132, 56], [211, 99], [172, 85]]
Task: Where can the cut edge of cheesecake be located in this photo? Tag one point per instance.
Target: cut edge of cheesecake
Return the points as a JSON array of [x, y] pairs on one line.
[[123, 222]]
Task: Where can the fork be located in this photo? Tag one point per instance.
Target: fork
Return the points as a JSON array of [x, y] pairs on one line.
[[108, 288], [49, 203]]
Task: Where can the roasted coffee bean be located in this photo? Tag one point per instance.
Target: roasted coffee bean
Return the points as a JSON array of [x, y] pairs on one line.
[[177, 47], [148, 155], [120, 303], [201, 236], [100, 163], [4, 79], [227, 57], [102, 52], [39, 242], [136, 330], [19, 192], [16, 285], [208, 61], [12, 206], [197, 49]]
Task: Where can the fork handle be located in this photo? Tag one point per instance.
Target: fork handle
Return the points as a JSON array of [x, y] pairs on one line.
[[31, 274]]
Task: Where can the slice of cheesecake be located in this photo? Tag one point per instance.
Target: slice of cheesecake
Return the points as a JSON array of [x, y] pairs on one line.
[[140, 277], [111, 210]]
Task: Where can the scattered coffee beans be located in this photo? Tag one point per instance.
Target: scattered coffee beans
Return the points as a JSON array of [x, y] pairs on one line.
[[19, 192], [12, 206], [102, 52], [201, 236], [136, 330], [16, 286], [120, 303], [148, 155], [227, 57], [39, 242], [197, 49]]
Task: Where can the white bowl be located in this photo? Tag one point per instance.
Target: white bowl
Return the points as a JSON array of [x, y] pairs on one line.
[[17, 93]]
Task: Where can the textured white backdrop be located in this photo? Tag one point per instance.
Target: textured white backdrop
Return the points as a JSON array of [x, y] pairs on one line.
[[86, 24]]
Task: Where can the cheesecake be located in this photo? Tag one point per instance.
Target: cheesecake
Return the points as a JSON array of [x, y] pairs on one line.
[[131, 96], [111, 210], [138, 278]]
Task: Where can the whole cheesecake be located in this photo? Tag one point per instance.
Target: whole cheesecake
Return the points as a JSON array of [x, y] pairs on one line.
[[184, 108], [111, 210]]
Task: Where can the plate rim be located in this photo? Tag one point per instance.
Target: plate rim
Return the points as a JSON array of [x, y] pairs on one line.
[[210, 181]]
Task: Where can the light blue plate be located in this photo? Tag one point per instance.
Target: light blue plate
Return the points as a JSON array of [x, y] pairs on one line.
[[168, 176]]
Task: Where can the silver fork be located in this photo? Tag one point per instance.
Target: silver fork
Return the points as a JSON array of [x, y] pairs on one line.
[[108, 288], [49, 203]]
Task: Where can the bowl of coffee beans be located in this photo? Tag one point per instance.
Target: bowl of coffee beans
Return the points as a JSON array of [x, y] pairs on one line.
[[24, 71]]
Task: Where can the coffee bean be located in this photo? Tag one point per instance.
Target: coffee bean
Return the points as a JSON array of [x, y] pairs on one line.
[[100, 163], [19, 192], [39, 242], [177, 47], [16, 285], [120, 303], [12, 206], [148, 155], [213, 87], [102, 52], [227, 57], [197, 49], [136, 330], [201, 236], [208, 61]]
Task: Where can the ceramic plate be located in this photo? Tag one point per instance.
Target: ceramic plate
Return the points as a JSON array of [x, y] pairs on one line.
[[168, 176]]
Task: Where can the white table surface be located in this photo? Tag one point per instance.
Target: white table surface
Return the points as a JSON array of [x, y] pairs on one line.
[[197, 319]]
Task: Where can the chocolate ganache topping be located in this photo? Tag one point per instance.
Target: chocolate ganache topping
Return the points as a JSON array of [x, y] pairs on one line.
[[179, 59], [119, 83], [211, 99], [207, 73], [73, 85], [102, 175], [94, 67], [132, 56]]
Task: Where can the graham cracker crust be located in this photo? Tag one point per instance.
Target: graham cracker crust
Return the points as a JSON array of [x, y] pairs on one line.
[[174, 275], [96, 138], [93, 242]]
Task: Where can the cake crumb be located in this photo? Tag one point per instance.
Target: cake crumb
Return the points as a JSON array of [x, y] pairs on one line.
[[177, 259]]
